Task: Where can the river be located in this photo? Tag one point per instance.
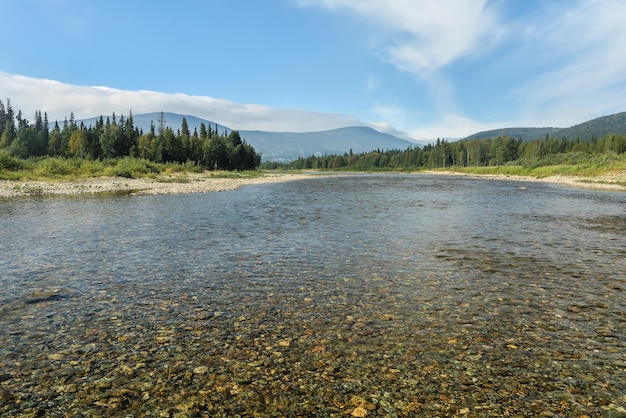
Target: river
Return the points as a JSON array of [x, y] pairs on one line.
[[360, 295]]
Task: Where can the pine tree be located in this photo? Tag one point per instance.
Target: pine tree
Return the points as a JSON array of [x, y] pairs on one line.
[[3, 117], [8, 133]]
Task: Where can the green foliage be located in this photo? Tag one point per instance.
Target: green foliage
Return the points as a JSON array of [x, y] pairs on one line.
[[60, 167], [55, 166], [525, 134], [595, 128], [131, 168], [586, 131], [118, 138], [7, 162], [115, 147], [504, 155]]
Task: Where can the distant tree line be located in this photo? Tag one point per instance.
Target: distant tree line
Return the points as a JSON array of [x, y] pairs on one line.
[[113, 137], [501, 150]]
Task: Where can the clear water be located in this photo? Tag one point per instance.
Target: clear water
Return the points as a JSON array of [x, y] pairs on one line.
[[391, 295]]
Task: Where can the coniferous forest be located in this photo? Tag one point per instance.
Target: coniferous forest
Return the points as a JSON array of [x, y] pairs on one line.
[[116, 137], [499, 151]]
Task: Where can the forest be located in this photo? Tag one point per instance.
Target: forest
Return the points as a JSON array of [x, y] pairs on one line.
[[499, 151], [114, 137]]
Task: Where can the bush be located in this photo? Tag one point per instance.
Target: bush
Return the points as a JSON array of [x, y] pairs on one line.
[[8, 162], [90, 168], [51, 167], [131, 168]]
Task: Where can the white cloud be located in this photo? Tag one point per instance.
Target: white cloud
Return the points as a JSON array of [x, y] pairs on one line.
[[566, 59], [424, 35], [452, 126], [58, 100], [584, 46]]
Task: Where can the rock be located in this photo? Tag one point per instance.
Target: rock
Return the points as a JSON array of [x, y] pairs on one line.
[[359, 411], [201, 370]]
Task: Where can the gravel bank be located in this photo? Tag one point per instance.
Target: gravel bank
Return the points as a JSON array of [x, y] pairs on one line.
[[172, 184], [205, 182], [607, 182]]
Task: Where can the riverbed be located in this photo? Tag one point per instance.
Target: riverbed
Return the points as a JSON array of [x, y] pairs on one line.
[[362, 295]]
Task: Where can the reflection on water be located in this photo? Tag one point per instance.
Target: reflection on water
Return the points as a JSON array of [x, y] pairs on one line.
[[377, 295]]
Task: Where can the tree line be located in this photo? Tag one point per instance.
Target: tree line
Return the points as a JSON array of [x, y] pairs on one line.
[[114, 137], [497, 151]]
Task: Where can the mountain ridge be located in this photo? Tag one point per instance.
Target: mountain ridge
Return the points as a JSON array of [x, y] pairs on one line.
[[585, 131], [282, 146], [289, 146]]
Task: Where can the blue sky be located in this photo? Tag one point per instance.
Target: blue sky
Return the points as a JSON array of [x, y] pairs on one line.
[[422, 69]]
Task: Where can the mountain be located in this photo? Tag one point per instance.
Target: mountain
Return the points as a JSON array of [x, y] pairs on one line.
[[283, 146], [173, 120], [598, 128], [526, 134], [288, 146]]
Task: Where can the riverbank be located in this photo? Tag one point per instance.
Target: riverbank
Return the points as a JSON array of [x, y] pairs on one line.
[[182, 183], [608, 182]]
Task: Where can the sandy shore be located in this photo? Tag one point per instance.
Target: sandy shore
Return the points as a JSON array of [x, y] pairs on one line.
[[205, 182], [164, 184], [609, 182]]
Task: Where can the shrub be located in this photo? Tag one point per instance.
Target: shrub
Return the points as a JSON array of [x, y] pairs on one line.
[[8, 162], [51, 167], [131, 168]]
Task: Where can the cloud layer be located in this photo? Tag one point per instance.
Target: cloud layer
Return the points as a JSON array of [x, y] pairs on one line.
[[58, 100], [423, 35], [445, 68], [584, 46], [539, 64]]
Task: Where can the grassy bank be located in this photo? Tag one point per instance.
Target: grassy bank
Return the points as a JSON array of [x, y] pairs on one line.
[[56, 168], [68, 169], [593, 166]]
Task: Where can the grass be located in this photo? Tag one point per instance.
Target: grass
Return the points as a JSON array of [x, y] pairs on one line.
[[58, 168], [50, 168], [237, 174], [591, 166], [616, 182]]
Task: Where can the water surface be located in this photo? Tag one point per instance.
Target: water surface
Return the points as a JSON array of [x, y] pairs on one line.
[[385, 295]]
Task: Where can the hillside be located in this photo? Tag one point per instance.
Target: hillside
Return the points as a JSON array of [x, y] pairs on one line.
[[526, 134], [284, 146], [173, 120], [288, 146], [598, 127]]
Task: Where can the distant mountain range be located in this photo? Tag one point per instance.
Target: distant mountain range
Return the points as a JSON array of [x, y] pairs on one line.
[[598, 127], [288, 146], [283, 146]]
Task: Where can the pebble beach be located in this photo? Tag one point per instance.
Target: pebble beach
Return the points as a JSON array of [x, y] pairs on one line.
[[170, 184], [205, 182], [608, 182]]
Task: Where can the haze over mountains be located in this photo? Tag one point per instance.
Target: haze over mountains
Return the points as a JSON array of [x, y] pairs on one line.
[[284, 146], [289, 146], [598, 127]]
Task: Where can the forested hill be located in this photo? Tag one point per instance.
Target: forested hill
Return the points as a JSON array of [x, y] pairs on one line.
[[172, 120], [525, 134], [287, 146], [595, 128], [282, 146]]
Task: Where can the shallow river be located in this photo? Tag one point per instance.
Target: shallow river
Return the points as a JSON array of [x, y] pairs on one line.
[[372, 295]]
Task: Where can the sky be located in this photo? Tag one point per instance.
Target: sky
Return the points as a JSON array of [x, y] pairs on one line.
[[419, 69]]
